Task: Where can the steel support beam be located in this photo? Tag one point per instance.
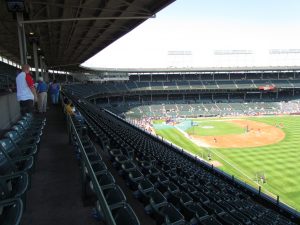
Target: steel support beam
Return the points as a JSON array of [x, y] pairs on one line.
[[36, 60], [42, 66], [21, 38], [87, 18]]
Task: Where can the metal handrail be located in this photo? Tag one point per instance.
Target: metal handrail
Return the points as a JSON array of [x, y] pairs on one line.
[[97, 189]]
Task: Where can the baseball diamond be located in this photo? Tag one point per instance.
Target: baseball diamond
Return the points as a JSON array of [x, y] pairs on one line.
[[227, 124], [266, 146]]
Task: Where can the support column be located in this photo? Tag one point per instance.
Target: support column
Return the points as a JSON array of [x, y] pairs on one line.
[[22, 39], [35, 58], [46, 72], [42, 66]]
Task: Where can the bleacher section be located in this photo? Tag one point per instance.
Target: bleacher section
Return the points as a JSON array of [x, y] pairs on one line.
[[110, 200], [133, 87], [174, 187], [187, 109]]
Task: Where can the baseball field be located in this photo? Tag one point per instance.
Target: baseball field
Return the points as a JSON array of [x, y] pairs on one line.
[[261, 151]]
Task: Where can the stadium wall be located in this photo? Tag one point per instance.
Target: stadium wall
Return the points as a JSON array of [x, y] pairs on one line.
[[10, 110]]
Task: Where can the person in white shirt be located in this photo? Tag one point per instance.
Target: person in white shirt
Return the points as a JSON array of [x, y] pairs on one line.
[[26, 93]]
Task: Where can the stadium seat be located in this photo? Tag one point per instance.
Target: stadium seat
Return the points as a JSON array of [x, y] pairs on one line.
[[227, 219], [11, 211], [13, 151], [114, 197], [126, 168], [193, 212], [106, 180], [22, 140], [99, 167], [31, 129], [134, 179], [145, 188], [210, 220], [25, 145], [14, 186], [168, 215], [9, 166], [156, 201], [124, 215]]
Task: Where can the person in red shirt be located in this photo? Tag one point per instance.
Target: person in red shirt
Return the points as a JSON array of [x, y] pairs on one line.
[[26, 93]]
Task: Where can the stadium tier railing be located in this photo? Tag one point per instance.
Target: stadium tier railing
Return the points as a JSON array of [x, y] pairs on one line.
[[97, 189]]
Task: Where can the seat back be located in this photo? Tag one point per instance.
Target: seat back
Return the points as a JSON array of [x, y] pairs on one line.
[[125, 215], [24, 124], [172, 215], [11, 212], [13, 186], [6, 165], [7, 146], [21, 131], [13, 135], [114, 196]]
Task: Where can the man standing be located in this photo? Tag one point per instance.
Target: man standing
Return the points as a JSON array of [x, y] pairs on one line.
[[42, 89], [26, 93], [54, 91]]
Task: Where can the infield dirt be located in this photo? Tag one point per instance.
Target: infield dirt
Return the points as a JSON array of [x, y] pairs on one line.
[[256, 134]]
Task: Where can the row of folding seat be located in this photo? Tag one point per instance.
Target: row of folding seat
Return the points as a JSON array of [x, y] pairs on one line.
[[118, 159], [123, 161], [145, 188], [114, 197], [226, 201], [18, 154]]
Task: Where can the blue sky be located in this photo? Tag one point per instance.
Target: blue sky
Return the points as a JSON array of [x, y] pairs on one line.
[[203, 27]]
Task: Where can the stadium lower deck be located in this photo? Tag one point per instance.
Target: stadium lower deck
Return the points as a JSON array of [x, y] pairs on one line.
[[176, 109]]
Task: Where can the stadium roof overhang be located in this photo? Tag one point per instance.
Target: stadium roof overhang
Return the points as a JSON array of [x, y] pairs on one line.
[[200, 69], [71, 31]]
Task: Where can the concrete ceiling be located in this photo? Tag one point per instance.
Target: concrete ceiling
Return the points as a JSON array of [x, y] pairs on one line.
[[73, 42]]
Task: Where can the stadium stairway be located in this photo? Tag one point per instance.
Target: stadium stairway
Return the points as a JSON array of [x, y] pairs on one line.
[[55, 194]]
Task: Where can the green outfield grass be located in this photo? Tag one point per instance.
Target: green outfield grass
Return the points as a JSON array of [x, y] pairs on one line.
[[211, 128], [279, 162]]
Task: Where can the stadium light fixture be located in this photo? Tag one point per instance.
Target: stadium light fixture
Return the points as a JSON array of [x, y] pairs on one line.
[[15, 5]]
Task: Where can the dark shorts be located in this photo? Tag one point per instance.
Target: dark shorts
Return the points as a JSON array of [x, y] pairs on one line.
[[26, 106]]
